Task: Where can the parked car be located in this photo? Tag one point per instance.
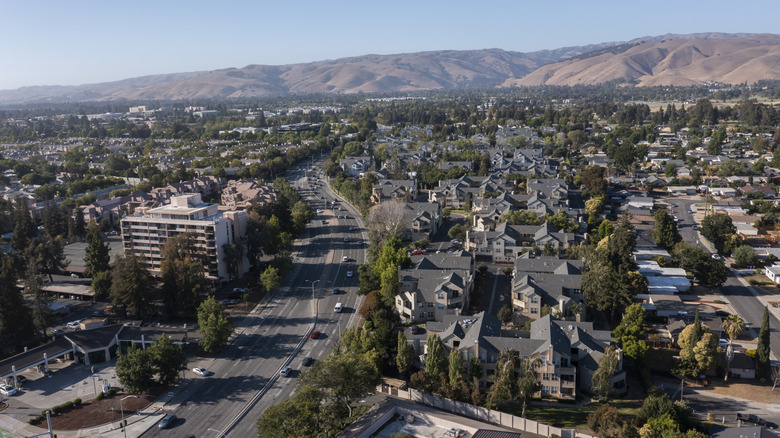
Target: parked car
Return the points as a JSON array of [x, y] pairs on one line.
[[723, 343], [416, 330], [201, 371], [345, 259], [346, 239], [57, 332], [335, 291], [167, 421], [315, 334], [308, 361], [350, 274], [7, 390], [239, 290], [286, 371], [750, 418]]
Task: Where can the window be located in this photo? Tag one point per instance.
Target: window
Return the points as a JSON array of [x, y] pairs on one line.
[[534, 300], [545, 389], [534, 310], [440, 295]]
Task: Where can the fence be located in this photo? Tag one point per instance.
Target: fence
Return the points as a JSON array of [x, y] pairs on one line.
[[481, 414]]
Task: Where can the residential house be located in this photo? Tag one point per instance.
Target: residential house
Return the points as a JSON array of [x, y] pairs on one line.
[[508, 242], [422, 220], [356, 166], [436, 285], [402, 190], [241, 194], [568, 351], [559, 290]]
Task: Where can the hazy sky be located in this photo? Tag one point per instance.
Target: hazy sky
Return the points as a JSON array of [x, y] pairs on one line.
[[55, 42]]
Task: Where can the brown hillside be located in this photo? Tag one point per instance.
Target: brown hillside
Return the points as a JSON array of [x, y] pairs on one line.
[[671, 62]]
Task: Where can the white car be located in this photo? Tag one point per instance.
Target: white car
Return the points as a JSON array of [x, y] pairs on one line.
[[201, 371], [7, 390], [350, 274], [346, 239], [723, 343], [286, 371]]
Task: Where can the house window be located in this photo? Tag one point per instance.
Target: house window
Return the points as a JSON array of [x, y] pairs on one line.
[[534, 310], [430, 314], [534, 300], [545, 389], [441, 295]]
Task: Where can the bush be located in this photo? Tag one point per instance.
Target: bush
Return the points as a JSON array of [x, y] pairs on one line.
[[111, 392], [751, 353], [100, 396], [77, 402], [719, 302]]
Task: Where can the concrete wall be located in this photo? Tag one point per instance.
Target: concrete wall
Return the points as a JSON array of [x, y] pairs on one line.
[[483, 414]]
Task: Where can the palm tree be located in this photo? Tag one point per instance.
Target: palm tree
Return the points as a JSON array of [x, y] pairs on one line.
[[733, 326]]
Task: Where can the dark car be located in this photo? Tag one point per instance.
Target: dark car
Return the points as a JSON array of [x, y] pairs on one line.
[[307, 362], [335, 291], [416, 330], [750, 418], [167, 421]]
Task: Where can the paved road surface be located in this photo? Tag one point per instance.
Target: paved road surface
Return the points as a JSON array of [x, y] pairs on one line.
[[278, 335]]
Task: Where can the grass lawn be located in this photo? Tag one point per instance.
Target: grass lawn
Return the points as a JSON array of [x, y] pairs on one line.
[[573, 417]]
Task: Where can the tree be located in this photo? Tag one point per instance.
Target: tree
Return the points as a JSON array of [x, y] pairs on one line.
[[79, 225], [690, 336], [41, 304], [504, 388], [134, 371], [270, 278], [15, 319], [606, 421], [745, 255], [456, 365], [301, 416], [733, 326], [630, 332], [458, 232], [475, 368], [601, 383], [670, 170], [23, 226], [593, 180], [183, 275], [215, 325], [595, 205], [762, 350], [166, 360], [101, 284], [344, 377], [131, 284], [404, 360], [435, 359], [698, 348], [505, 314], [386, 220], [49, 255], [528, 380], [234, 255], [718, 229], [705, 353], [708, 272], [96, 255], [665, 232]]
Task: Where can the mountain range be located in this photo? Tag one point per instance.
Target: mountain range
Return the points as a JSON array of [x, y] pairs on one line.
[[679, 60]]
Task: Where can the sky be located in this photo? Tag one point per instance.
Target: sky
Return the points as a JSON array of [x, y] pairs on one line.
[[55, 42]]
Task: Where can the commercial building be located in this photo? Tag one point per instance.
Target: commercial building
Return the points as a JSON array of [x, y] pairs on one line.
[[144, 234]]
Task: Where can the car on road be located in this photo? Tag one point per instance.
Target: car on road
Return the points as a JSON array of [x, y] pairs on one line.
[[167, 421], [695, 227], [286, 371], [319, 211], [335, 291], [350, 274], [7, 390], [346, 239], [308, 361], [315, 334], [201, 371], [73, 325], [345, 259], [416, 330], [723, 343]]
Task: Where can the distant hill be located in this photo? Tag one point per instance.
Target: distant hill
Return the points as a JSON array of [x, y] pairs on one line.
[[658, 60], [679, 62]]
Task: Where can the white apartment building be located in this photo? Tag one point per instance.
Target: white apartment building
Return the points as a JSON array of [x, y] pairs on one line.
[[145, 233]]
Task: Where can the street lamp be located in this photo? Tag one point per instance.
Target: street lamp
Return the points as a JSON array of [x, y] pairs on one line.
[[220, 433], [312, 286], [121, 408]]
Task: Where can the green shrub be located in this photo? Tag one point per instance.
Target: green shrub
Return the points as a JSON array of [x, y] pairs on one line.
[[111, 391], [751, 353], [100, 396], [56, 409], [719, 302], [67, 405], [76, 402]]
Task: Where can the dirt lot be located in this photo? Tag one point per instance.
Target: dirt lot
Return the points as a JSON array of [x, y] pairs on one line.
[[746, 390], [97, 412]]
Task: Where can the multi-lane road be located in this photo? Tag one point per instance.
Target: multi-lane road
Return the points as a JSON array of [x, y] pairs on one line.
[[246, 378]]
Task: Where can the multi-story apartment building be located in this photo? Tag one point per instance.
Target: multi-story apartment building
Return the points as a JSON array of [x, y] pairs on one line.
[[145, 233]]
